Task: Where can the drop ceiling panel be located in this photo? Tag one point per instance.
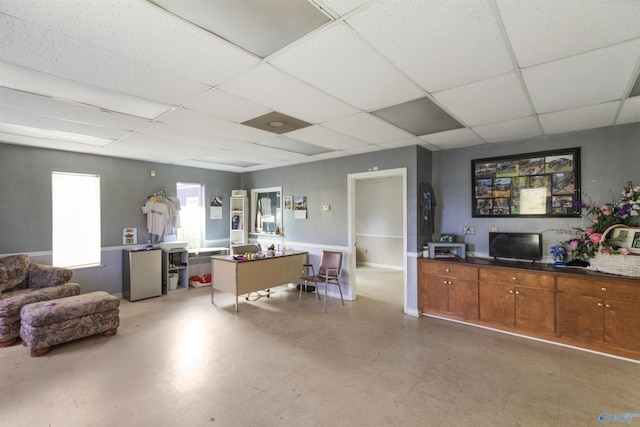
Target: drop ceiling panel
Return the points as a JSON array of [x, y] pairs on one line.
[[545, 31], [591, 117], [156, 145], [52, 144], [226, 106], [591, 78], [140, 31], [55, 108], [367, 128], [630, 112], [195, 163], [526, 127], [439, 44], [323, 137], [419, 117], [63, 56], [456, 138], [402, 143], [364, 149], [290, 144], [342, 7], [339, 62], [494, 100], [180, 135], [269, 86], [202, 123]]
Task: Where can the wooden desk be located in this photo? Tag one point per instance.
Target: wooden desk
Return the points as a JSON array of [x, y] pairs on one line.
[[243, 277]]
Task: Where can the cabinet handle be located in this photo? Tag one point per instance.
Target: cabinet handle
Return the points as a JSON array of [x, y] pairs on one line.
[[449, 282], [447, 270], [603, 289], [517, 293], [514, 278], [445, 282], [510, 291], [608, 305], [599, 304]]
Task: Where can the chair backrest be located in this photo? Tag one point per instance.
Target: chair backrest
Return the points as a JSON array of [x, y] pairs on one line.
[[330, 260], [243, 249]]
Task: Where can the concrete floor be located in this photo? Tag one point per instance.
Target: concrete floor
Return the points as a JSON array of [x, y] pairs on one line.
[[179, 361]]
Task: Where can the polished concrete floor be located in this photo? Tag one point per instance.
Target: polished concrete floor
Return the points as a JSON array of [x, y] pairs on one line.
[[180, 361]]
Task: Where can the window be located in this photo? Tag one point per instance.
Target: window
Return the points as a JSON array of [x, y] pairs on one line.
[[192, 213], [75, 218], [266, 206]]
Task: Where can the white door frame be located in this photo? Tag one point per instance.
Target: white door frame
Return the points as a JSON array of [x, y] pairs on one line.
[[351, 217]]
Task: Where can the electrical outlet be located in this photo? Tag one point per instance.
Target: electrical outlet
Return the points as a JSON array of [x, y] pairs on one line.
[[468, 230]]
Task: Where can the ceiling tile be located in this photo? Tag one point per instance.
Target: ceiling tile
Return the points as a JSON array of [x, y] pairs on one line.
[[419, 117], [364, 149], [591, 117], [269, 86], [439, 44], [342, 7], [339, 62], [250, 24], [523, 128], [494, 100], [289, 144], [630, 112], [367, 128], [323, 137], [453, 139], [402, 143], [226, 106], [541, 31], [591, 78], [140, 31], [179, 135]]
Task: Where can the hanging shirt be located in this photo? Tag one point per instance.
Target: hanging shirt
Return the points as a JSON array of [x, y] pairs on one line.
[[157, 214]]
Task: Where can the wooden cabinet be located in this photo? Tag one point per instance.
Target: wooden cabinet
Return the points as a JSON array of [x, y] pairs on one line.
[[513, 298], [605, 312], [449, 288]]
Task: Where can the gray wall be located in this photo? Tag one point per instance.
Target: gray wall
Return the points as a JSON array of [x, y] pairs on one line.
[[609, 158]]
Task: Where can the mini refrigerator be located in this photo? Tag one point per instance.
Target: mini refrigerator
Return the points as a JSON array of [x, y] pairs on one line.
[[141, 274]]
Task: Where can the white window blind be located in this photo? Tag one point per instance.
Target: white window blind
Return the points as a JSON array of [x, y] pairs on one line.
[[75, 219]]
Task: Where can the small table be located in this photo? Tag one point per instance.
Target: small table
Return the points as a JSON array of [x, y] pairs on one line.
[[243, 277]]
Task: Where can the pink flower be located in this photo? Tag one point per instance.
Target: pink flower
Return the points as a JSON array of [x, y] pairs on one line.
[[589, 230], [573, 244], [624, 251], [636, 188], [606, 210], [605, 250], [595, 221], [595, 238]]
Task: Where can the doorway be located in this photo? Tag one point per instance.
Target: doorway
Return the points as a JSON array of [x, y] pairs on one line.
[[353, 179]]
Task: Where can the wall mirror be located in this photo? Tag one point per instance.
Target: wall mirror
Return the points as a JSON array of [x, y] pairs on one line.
[[266, 210]]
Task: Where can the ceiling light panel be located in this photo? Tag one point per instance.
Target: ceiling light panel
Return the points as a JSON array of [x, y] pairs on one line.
[[439, 44], [419, 117], [339, 62], [510, 130], [24, 118], [202, 123], [549, 30], [289, 144], [493, 100], [591, 117], [65, 110], [50, 134], [267, 85], [52, 144], [129, 28], [79, 61], [368, 128], [323, 137], [456, 138], [592, 78], [226, 106], [225, 161], [261, 27], [630, 112]]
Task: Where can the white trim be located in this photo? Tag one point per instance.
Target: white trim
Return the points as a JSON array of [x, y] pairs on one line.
[[534, 338], [351, 211], [378, 265]]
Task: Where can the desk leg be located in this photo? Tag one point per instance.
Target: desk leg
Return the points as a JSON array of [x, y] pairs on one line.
[[236, 303]]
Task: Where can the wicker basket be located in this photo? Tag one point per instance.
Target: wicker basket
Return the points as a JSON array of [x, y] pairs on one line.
[[623, 265]]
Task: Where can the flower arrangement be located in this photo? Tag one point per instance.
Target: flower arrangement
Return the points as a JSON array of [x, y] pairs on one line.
[[587, 241]]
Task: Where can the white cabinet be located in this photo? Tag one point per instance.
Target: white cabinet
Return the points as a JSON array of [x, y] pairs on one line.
[[239, 230], [141, 274]]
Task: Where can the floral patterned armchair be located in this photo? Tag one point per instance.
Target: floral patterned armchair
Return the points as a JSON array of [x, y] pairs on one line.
[[23, 282]]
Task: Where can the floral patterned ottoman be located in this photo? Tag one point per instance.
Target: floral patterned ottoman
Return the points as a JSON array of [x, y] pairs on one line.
[[47, 323]]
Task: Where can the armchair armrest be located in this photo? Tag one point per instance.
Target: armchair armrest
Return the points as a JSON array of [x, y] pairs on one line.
[[46, 276]]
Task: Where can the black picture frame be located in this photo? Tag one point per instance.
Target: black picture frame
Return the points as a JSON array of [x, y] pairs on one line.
[[539, 184]]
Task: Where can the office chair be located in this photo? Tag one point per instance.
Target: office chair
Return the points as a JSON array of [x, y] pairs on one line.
[[328, 273]]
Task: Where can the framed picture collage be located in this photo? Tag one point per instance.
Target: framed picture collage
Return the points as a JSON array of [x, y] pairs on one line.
[[543, 184]]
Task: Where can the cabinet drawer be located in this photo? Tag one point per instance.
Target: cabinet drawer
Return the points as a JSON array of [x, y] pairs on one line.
[[517, 278], [450, 269], [602, 288]]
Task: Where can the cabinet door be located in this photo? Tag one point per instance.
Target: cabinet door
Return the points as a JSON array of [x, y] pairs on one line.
[[622, 324], [535, 310], [435, 293], [581, 316], [497, 304], [463, 298]]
